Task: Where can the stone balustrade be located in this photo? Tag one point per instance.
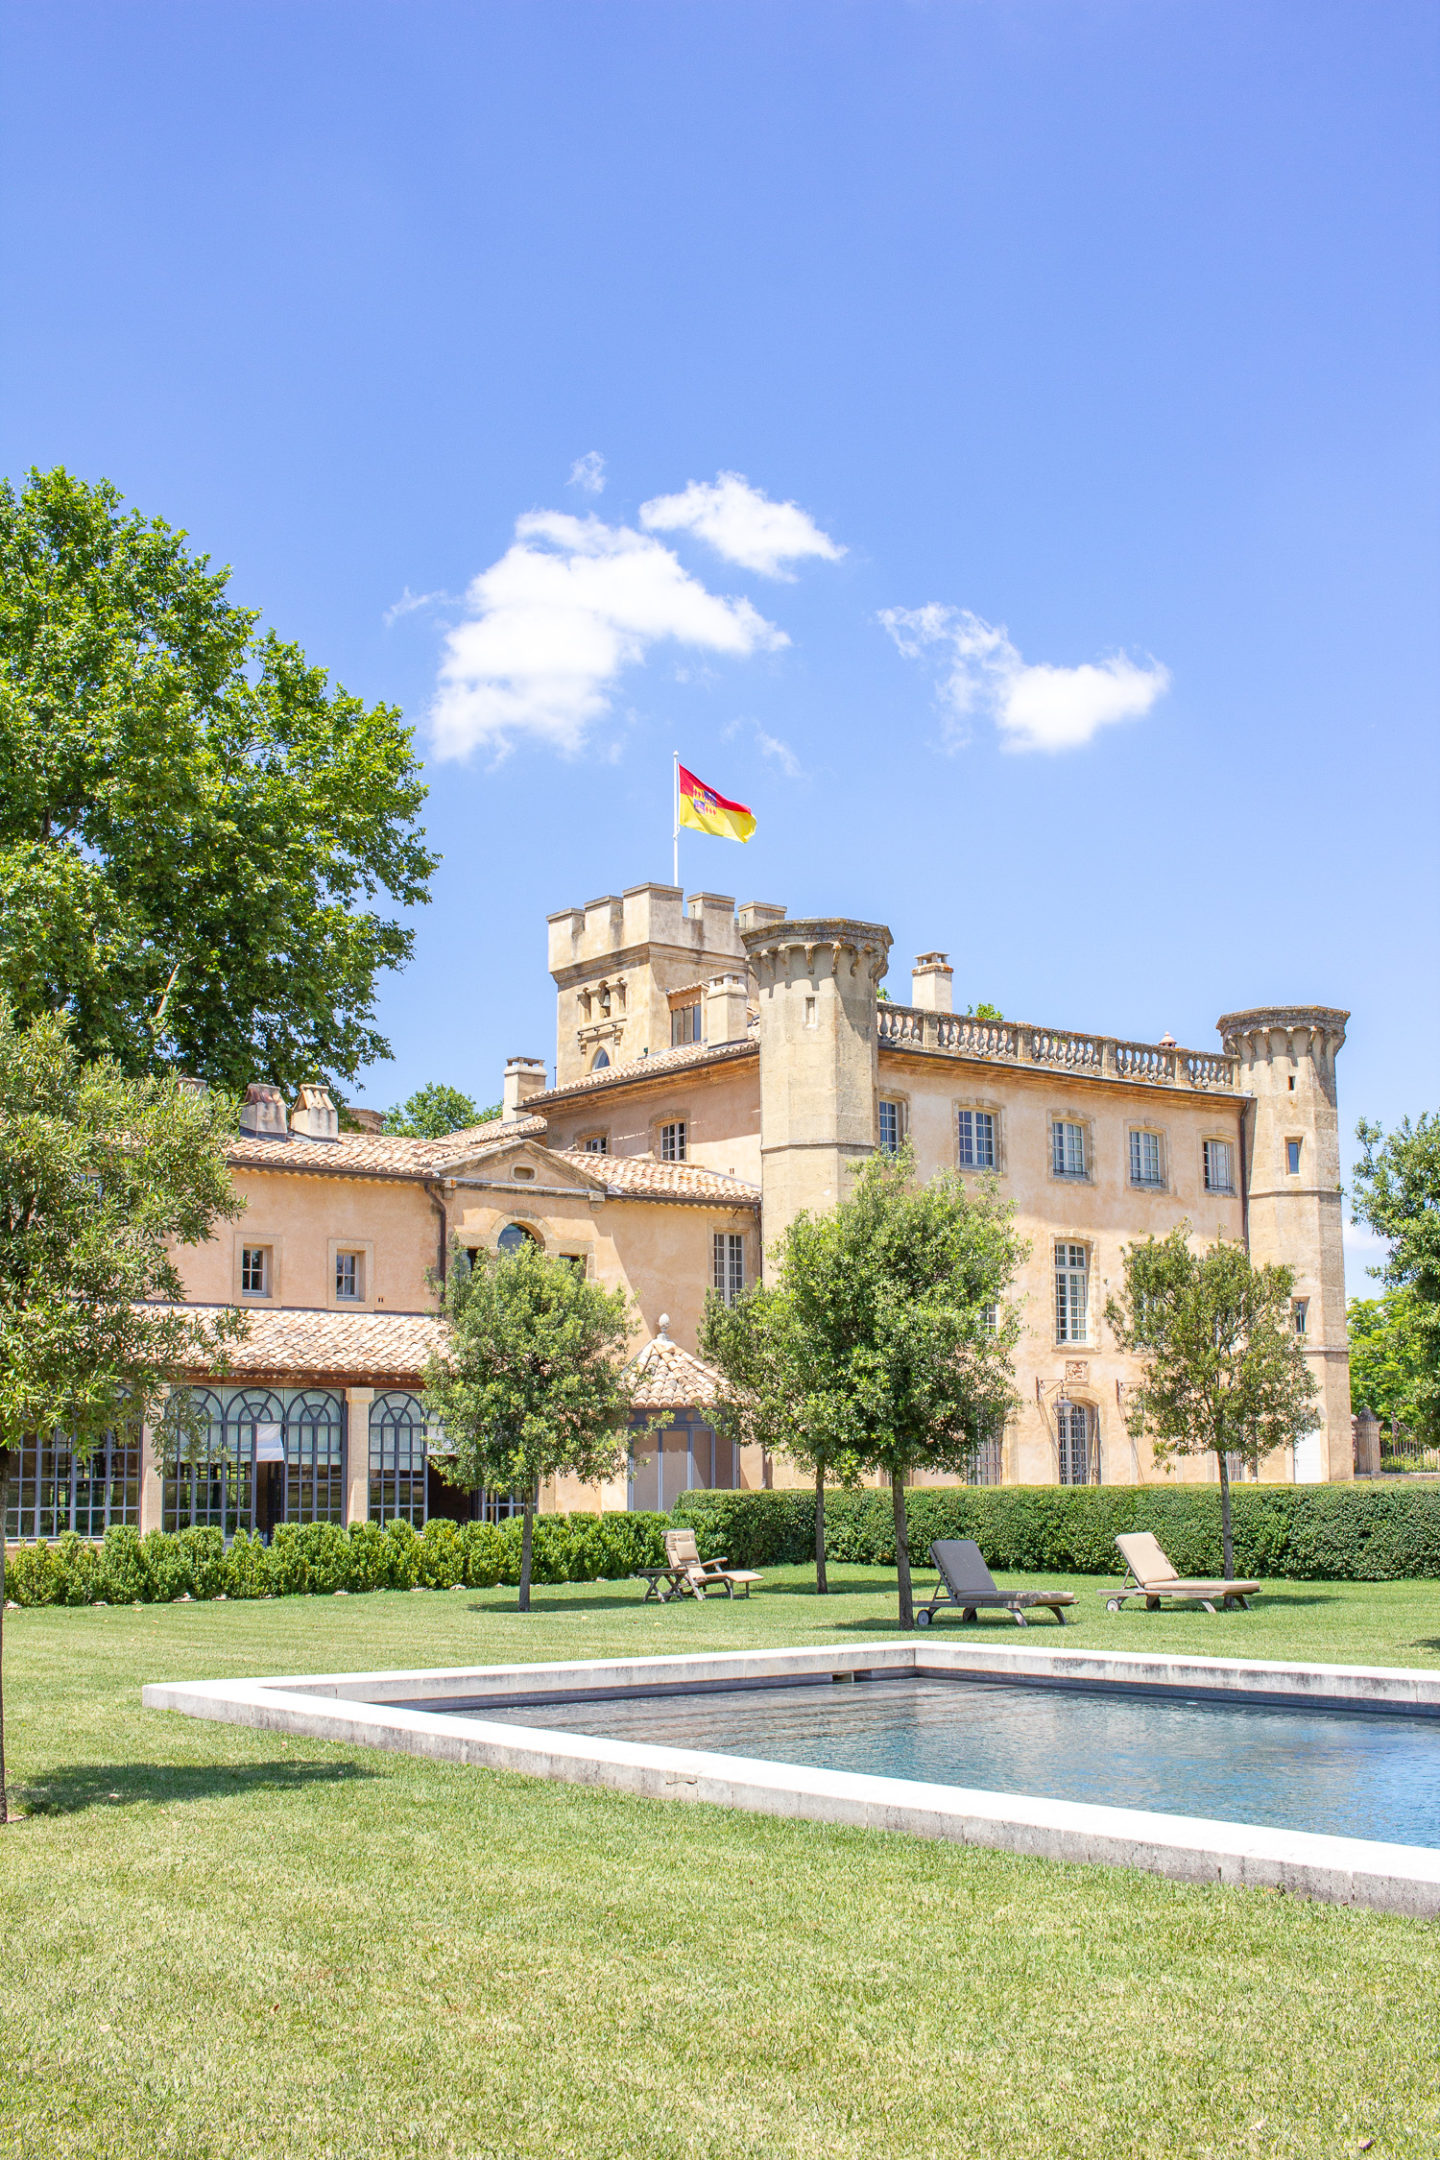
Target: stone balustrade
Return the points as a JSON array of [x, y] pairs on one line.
[[1008, 1042]]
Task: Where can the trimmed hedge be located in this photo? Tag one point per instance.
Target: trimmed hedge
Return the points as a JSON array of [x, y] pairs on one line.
[[314, 1558], [1309, 1533]]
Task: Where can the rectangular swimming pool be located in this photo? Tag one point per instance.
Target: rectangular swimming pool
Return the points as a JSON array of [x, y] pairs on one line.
[[1350, 1773]]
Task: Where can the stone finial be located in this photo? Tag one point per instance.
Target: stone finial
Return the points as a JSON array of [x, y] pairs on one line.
[[262, 1114], [524, 1077], [661, 1331], [314, 1116]]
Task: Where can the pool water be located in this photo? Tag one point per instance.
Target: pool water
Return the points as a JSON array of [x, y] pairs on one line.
[[1368, 1774]]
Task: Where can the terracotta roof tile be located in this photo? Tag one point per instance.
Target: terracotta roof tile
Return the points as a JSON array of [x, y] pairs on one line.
[[376, 1155], [669, 1378], [637, 1177], [648, 1068], [293, 1341]]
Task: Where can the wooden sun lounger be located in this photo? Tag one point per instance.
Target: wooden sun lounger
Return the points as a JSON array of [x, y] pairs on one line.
[[685, 1572], [1149, 1575], [966, 1584]]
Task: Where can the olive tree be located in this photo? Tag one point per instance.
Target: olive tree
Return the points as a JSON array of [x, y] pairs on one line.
[[529, 1381], [101, 1178], [1224, 1371]]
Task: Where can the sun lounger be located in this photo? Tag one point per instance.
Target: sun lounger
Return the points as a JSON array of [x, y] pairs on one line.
[[688, 1571], [966, 1584], [1148, 1574]]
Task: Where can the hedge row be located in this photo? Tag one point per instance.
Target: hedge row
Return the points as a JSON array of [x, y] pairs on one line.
[[319, 1557], [1310, 1533]]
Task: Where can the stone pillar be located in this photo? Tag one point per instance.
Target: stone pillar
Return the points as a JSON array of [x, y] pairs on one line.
[[1287, 1065], [357, 1453], [818, 1059], [152, 1474]]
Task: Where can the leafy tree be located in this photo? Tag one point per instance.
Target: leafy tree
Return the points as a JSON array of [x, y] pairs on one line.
[[898, 1296], [768, 1396], [1388, 1371], [1397, 1193], [192, 821], [435, 1110], [1224, 1370], [529, 1383], [982, 1011], [101, 1177]]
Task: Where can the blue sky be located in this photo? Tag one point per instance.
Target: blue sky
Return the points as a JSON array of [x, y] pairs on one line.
[[1110, 326]]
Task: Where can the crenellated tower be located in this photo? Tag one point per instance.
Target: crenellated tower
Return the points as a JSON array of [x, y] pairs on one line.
[[818, 1058], [1294, 1210]]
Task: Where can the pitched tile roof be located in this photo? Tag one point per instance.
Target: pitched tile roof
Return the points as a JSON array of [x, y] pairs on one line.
[[377, 1155], [650, 1068], [294, 1343], [669, 1378], [636, 1177]]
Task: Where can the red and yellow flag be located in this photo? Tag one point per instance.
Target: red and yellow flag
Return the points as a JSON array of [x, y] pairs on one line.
[[708, 812]]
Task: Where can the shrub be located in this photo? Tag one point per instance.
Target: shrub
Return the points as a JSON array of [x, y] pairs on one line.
[[247, 1570], [122, 1565], [168, 1565]]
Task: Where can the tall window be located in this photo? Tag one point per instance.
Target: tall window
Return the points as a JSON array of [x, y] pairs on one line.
[[892, 1127], [976, 1148], [1292, 1157], [1072, 1293], [1300, 1311], [1145, 1159], [1072, 1433], [729, 1264], [349, 1275], [1067, 1148], [255, 1270], [685, 1024], [51, 1492], [1219, 1166], [397, 1459], [990, 1319], [672, 1142]]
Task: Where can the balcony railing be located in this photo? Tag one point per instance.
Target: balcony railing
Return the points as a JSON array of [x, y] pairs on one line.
[[1012, 1042]]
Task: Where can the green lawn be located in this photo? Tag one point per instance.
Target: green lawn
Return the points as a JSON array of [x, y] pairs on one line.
[[221, 1943]]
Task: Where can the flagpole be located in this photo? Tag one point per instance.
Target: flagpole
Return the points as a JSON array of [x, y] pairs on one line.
[[675, 755]]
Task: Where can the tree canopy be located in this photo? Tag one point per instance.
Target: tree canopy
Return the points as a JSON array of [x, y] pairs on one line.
[[1225, 1372], [529, 1383], [1388, 1363], [435, 1110], [101, 1177], [193, 821], [897, 1298], [1397, 1193]]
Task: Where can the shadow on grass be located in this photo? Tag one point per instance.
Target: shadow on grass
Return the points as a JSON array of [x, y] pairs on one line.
[[71, 1790]]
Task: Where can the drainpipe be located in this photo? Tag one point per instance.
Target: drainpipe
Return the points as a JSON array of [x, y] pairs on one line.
[[437, 1201]]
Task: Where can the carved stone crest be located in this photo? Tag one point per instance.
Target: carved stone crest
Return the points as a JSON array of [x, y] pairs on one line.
[[1077, 1369]]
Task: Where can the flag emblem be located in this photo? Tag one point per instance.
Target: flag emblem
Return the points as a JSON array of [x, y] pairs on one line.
[[707, 812]]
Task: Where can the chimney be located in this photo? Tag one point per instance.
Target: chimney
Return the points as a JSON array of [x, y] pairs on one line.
[[369, 1121], [933, 982], [262, 1114], [726, 1019], [524, 1077], [759, 914], [314, 1116]]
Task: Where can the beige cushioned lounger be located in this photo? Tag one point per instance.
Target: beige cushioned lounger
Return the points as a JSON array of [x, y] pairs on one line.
[[1152, 1577]]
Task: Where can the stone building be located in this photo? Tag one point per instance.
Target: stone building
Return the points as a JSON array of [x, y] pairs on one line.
[[715, 1071]]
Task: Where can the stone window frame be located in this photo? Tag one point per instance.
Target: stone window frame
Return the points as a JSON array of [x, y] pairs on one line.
[[264, 1242], [673, 1116], [901, 1099], [1227, 1140], [1163, 1183], [365, 1247], [993, 1108], [1296, 1141], [1090, 1339], [1054, 1117], [515, 1218]]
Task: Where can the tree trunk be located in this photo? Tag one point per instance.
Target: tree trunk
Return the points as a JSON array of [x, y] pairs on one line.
[[526, 1535], [902, 1549], [4, 1507], [822, 1587], [1227, 1541]]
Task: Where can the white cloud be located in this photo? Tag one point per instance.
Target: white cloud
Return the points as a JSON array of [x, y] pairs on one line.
[[770, 746], [1035, 706], [409, 601], [588, 472], [742, 524], [554, 623]]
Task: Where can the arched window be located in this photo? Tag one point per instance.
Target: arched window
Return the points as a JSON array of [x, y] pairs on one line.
[[602, 1057], [397, 1459], [515, 1237], [1076, 1434], [315, 1458], [205, 1482]]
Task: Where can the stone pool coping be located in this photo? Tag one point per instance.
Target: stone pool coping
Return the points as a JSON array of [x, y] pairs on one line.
[[361, 1709]]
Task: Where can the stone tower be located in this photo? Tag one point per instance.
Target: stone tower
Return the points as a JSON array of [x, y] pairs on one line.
[[617, 961], [818, 1063], [1293, 1202]]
